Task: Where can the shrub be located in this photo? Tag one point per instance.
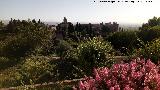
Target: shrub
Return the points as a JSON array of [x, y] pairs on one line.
[[5, 62], [124, 40], [15, 46], [61, 47], [94, 53], [68, 67], [10, 78], [25, 43], [136, 75], [149, 34], [151, 50], [22, 37], [36, 69]]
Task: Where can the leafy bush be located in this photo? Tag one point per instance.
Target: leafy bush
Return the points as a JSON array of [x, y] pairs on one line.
[[68, 66], [92, 53], [10, 77], [5, 62], [151, 50], [15, 46], [155, 21], [23, 44], [67, 70], [136, 75], [61, 47], [36, 69], [126, 39], [149, 34], [24, 37]]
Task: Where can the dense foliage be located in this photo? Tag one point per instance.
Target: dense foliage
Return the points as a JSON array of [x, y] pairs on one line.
[[33, 52], [155, 21], [136, 75], [124, 41], [149, 34], [36, 69], [61, 47], [151, 51], [92, 53], [19, 40], [23, 38]]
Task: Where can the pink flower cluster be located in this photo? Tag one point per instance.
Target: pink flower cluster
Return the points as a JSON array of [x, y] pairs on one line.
[[139, 74]]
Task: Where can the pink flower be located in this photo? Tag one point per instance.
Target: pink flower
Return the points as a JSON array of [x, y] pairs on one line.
[[74, 88], [127, 87], [133, 65], [95, 71], [116, 87], [108, 82], [91, 82], [129, 76], [111, 88], [142, 62], [143, 69], [134, 74], [123, 77], [81, 86], [94, 88], [149, 65], [86, 85], [97, 77], [105, 71], [146, 88]]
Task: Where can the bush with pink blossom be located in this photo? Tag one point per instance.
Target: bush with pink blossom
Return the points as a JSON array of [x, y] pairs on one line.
[[139, 74]]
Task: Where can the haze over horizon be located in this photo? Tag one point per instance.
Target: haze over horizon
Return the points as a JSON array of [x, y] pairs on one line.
[[79, 11]]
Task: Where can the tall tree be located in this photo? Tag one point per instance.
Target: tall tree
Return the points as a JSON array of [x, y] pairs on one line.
[[70, 28]]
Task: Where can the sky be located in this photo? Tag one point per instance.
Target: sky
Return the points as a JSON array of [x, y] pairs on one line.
[[80, 10]]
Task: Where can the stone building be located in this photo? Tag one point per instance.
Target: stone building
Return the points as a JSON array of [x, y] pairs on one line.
[[96, 29], [62, 29], [114, 27]]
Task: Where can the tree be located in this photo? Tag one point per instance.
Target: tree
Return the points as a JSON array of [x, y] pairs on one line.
[[124, 39], [1, 25], [70, 28], [92, 53], [150, 33], [151, 22], [25, 37]]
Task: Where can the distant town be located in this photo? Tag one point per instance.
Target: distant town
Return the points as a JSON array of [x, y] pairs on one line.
[[98, 29]]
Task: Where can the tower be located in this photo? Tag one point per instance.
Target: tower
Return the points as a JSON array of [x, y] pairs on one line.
[[65, 20]]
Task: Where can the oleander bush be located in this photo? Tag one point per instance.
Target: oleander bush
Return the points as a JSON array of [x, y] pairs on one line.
[[139, 74]]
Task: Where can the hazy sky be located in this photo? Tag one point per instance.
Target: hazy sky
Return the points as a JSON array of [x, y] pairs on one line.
[[79, 10]]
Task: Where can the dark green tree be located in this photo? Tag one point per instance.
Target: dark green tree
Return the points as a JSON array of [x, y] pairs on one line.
[[155, 21], [70, 28], [1, 25]]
